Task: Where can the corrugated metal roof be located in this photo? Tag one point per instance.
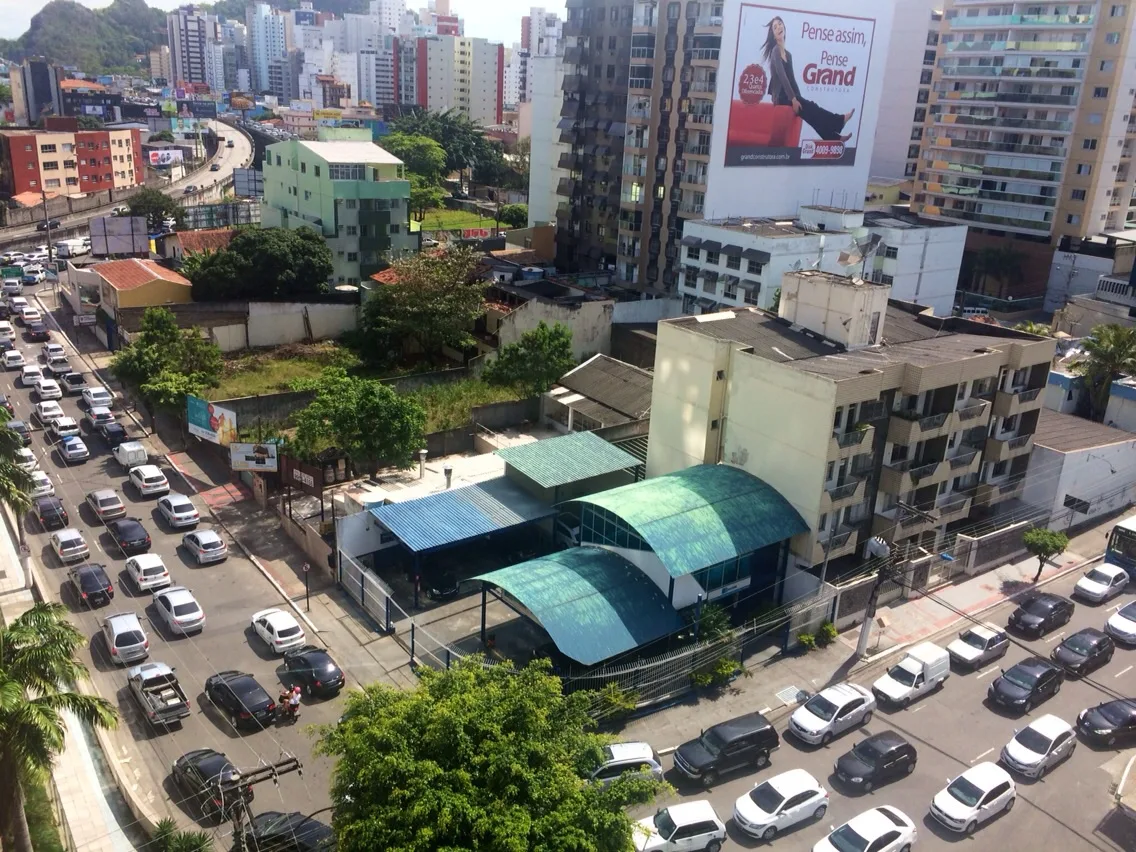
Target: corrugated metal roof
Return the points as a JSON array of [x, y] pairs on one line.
[[1066, 433], [449, 517], [614, 384], [703, 515], [593, 603], [566, 458]]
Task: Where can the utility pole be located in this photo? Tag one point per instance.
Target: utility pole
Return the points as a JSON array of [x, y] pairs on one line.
[[47, 231], [236, 786]]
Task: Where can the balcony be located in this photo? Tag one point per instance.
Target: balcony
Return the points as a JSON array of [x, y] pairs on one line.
[[712, 21], [976, 412], [702, 119], [1011, 403], [895, 524], [840, 543], [989, 493], [998, 450], [851, 443], [986, 71], [1019, 46], [964, 464], [904, 476], [691, 208], [570, 161], [953, 507], [851, 493], [1116, 290], [907, 427], [705, 86], [703, 54], [982, 22]]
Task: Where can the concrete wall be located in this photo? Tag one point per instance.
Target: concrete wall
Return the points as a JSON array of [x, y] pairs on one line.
[[1062, 392], [590, 323], [358, 534], [633, 345], [1071, 275], [1121, 411], [278, 323], [64, 206], [1105, 477], [646, 310]]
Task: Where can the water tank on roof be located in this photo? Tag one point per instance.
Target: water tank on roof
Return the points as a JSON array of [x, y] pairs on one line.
[[531, 273]]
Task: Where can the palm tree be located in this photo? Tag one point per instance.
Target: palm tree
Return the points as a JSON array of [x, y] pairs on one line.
[[37, 667], [1038, 328], [15, 482], [1110, 352], [167, 838]]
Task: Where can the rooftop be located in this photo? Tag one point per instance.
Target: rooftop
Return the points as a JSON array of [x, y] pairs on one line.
[[617, 386], [1067, 434], [567, 458], [758, 226], [349, 151], [72, 85], [133, 273], [214, 239]]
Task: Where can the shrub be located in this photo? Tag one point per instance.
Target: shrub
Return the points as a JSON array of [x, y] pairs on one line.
[[615, 703], [807, 641], [826, 635], [718, 673]]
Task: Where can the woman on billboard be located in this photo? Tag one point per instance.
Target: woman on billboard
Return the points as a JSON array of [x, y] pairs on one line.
[[784, 91]]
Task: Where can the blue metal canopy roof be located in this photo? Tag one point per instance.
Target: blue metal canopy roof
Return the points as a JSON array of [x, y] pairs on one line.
[[449, 517], [592, 602]]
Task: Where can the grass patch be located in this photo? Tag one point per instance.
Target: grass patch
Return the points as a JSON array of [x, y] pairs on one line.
[[41, 819], [273, 370], [448, 406], [453, 220]]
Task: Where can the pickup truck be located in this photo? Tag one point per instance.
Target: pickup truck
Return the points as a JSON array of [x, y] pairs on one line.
[[73, 383], [156, 689]]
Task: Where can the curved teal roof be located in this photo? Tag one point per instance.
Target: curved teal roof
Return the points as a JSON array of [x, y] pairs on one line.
[[592, 602], [703, 515]]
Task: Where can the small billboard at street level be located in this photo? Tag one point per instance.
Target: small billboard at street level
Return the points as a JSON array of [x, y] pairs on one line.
[[297, 474], [257, 457], [210, 422], [166, 157]]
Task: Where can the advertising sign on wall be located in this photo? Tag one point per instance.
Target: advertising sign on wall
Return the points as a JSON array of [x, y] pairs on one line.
[[798, 87], [197, 109], [165, 157], [210, 422], [257, 457], [307, 477]]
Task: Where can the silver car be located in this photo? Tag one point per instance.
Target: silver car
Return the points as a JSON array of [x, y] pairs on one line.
[[831, 712], [180, 610], [639, 759], [206, 546], [178, 510], [126, 640], [69, 545]]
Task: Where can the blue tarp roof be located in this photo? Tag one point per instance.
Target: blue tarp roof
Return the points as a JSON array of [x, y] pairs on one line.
[[450, 517]]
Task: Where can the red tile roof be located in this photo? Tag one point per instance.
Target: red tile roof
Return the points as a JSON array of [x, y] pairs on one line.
[[72, 84], [133, 273], [387, 276], [30, 198], [214, 239]]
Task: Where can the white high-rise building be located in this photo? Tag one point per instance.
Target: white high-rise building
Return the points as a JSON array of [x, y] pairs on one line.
[[539, 118], [377, 84], [266, 41], [517, 88], [389, 14], [466, 74], [541, 32], [189, 31], [215, 66]]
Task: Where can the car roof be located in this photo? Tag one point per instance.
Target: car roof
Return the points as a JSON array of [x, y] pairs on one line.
[[1090, 632], [685, 813], [793, 782], [1035, 664], [146, 470], [147, 560], [631, 751], [176, 497], [125, 523], [276, 617], [65, 419], [48, 502], [1110, 569], [1050, 725], [100, 493], [1045, 598], [741, 725], [842, 692], [986, 775], [43, 380], [177, 593], [885, 741], [871, 824], [68, 532], [205, 535], [123, 621], [98, 409], [149, 669]]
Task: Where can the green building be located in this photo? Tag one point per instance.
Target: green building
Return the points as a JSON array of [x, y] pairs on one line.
[[353, 192]]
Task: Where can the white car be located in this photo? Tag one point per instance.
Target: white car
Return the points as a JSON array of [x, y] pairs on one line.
[[12, 286], [17, 304], [64, 427], [1101, 583], [73, 450], [6, 331], [1121, 625], [26, 460], [180, 610], [832, 711], [97, 395], [149, 480], [42, 485], [279, 629], [48, 389], [979, 644], [178, 510], [30, 374], [47, 411], [148, 571], [206, 546], [30, 315], [69, 545], [883, 829], [1040, 746], [13, 358], [781, 802], [53, 352], [983, 791], [690, 825]]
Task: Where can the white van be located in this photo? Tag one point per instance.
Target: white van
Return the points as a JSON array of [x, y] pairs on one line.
[[72, 248], [924, 668], [130, 454]]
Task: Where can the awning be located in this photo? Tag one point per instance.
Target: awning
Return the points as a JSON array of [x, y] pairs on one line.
[[755, 254], [732, 249], [692, 241], [566, 123], [712, 245]]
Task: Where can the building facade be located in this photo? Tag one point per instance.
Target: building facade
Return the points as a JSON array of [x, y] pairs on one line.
[[540, 119], [190, 31], [161, 67], [353, 192], [266, 41], [35, 90], [70, 163], [466, 74]]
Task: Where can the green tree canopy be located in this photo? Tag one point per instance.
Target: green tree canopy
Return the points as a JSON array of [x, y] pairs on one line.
[[1044, 543], [368, 419], [424, 196], [162, 136], [1038, 328], [462, 140], [1110, 352], [89, 122], [434, 303], [535, 362], [155, 206], [264, 264], [420, 154], [169, 838], [514, 215], [476, 757], [5, 93]]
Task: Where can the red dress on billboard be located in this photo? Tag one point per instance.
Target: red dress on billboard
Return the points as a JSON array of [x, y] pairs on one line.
[[783, 89]]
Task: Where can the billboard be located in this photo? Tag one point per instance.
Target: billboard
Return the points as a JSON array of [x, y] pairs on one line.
[[210, 422], [257, 457], [248, 183], [197, 109], [297, 474], [119, 235], [165, 157]]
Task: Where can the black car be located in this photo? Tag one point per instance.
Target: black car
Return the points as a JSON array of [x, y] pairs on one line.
[[37, 331], [874, 760], [212, 781], [273, 831], [91, 584], [6, 404], [1084, 651], [21, 428], [745, 741], [314, 670], [241, 698], [1040, 613], [113, 433], [50, 513], [49, 225], [129, 535], [1109, 723], [216, 167], [1026, 685]]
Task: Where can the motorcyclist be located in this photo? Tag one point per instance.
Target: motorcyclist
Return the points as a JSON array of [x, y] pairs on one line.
[[294, 701]]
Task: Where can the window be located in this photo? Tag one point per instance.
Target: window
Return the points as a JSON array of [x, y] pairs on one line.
[[352, 257], [1107, 64], [1084, 168], [52, 183], [733, 262], [395, 229], [1077, 195], [307, 195], [50, 165], [920, 114], [1089, 144], [891, 252], [354, 171], [352, 230], [1112, 38], [711, 258], [753, 267], [1073, 219], [350, 204], [1117, 11], [316, 169], [1100, 91], [1095, 118], [303, 168], [693, 253], [47, 149]]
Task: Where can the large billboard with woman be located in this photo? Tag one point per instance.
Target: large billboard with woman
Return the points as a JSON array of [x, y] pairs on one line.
[[798, 87]]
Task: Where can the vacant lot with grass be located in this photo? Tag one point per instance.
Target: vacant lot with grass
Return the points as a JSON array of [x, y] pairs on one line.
[[448, 406], [273, 370], [453, 220]]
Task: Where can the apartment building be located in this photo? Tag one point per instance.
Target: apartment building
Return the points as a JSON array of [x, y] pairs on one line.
[[161, 67], [852, 406], [352, 191], [738, 262], [538, 121], [190, 30], [466, 74], [69, 163], [284, 76], [266, 28], [1027, 131]]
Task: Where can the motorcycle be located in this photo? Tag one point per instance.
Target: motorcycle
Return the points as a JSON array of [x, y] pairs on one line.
[[286, 711]]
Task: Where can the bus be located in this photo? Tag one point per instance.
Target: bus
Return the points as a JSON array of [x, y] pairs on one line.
[[1121, 550]]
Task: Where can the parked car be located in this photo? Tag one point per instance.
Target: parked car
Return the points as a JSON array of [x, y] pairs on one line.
[[1109, 723], [92, 584], [147, 571], [158, 694], [129, 535], [42, 486], [106, 504], [149, 480], [746, 740], [73, 450], [1026, 684], [1040, 613], [178, 510], [53, 352], [21, 428], [46, 388], [57, 370], [96, 417], [26, 460], [831, 712], [923, 668], [874, 760], [50, 513], [36, 330], [73, 383], [780, 803], [69, 545], [180, 610], [882, 829], [13, 359], [982, 792], [6, 404], [637, 760], [30, 374], [1083, 652], [1039, 746], [200, 773], [97, 395], [690, 825], [1121, 625], [244, 701], [273, 831], [47, 411], [1101, 583], [29, 317], [205, 546], [130, 454], [278, 629], [113, 434], [125, 638]]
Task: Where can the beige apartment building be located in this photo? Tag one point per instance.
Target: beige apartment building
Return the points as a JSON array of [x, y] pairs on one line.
[[1029, 132], [850, 404]]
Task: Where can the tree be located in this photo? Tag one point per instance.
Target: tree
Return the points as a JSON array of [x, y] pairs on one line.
[[37, 667], [476, 757], [89, 122], [463, 141], [535, 362], [1044, 544], [1003, 264], [5, 93], [522, 159], [155, 206], [514, 215], [1038, 328], [424, 196], [435, 301], [264, 263], [420, 154], [168, 838], [1110, 352], [162, 136], [368, 419]]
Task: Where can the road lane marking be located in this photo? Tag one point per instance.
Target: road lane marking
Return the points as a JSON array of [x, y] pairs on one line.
[[982, 755], [1126, 671], [1054, 638], [983, 674], [765, 710], [1118, 606], [917, 709]]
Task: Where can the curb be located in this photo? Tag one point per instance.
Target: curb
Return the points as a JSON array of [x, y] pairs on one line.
[[259, 567]]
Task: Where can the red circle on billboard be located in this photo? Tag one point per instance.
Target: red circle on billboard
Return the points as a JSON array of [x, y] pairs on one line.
[[752, 84]]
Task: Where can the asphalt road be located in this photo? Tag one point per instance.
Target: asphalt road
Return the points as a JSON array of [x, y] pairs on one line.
[[229, 592], [1070, 809]]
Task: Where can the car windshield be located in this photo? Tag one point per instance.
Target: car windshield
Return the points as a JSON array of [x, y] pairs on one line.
[[185, 609], [865, 752], [846, 839], [902, 675], [965, 791], [664, 824], [1031, 739], [288, 632], [156, 571], [820, 706], [766, 798], [129, 637], [973, 640], [71, 541], [712, 741], [209, 545], [1037, 606], [1098, 576], [1117, 712], [1080, 643], [1024, 678], [108, 502]]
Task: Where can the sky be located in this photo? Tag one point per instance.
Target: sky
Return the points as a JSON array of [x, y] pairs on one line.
[[496, 20]]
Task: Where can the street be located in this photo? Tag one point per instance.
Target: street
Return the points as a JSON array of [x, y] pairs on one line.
[[951, 730], [229, 592]]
